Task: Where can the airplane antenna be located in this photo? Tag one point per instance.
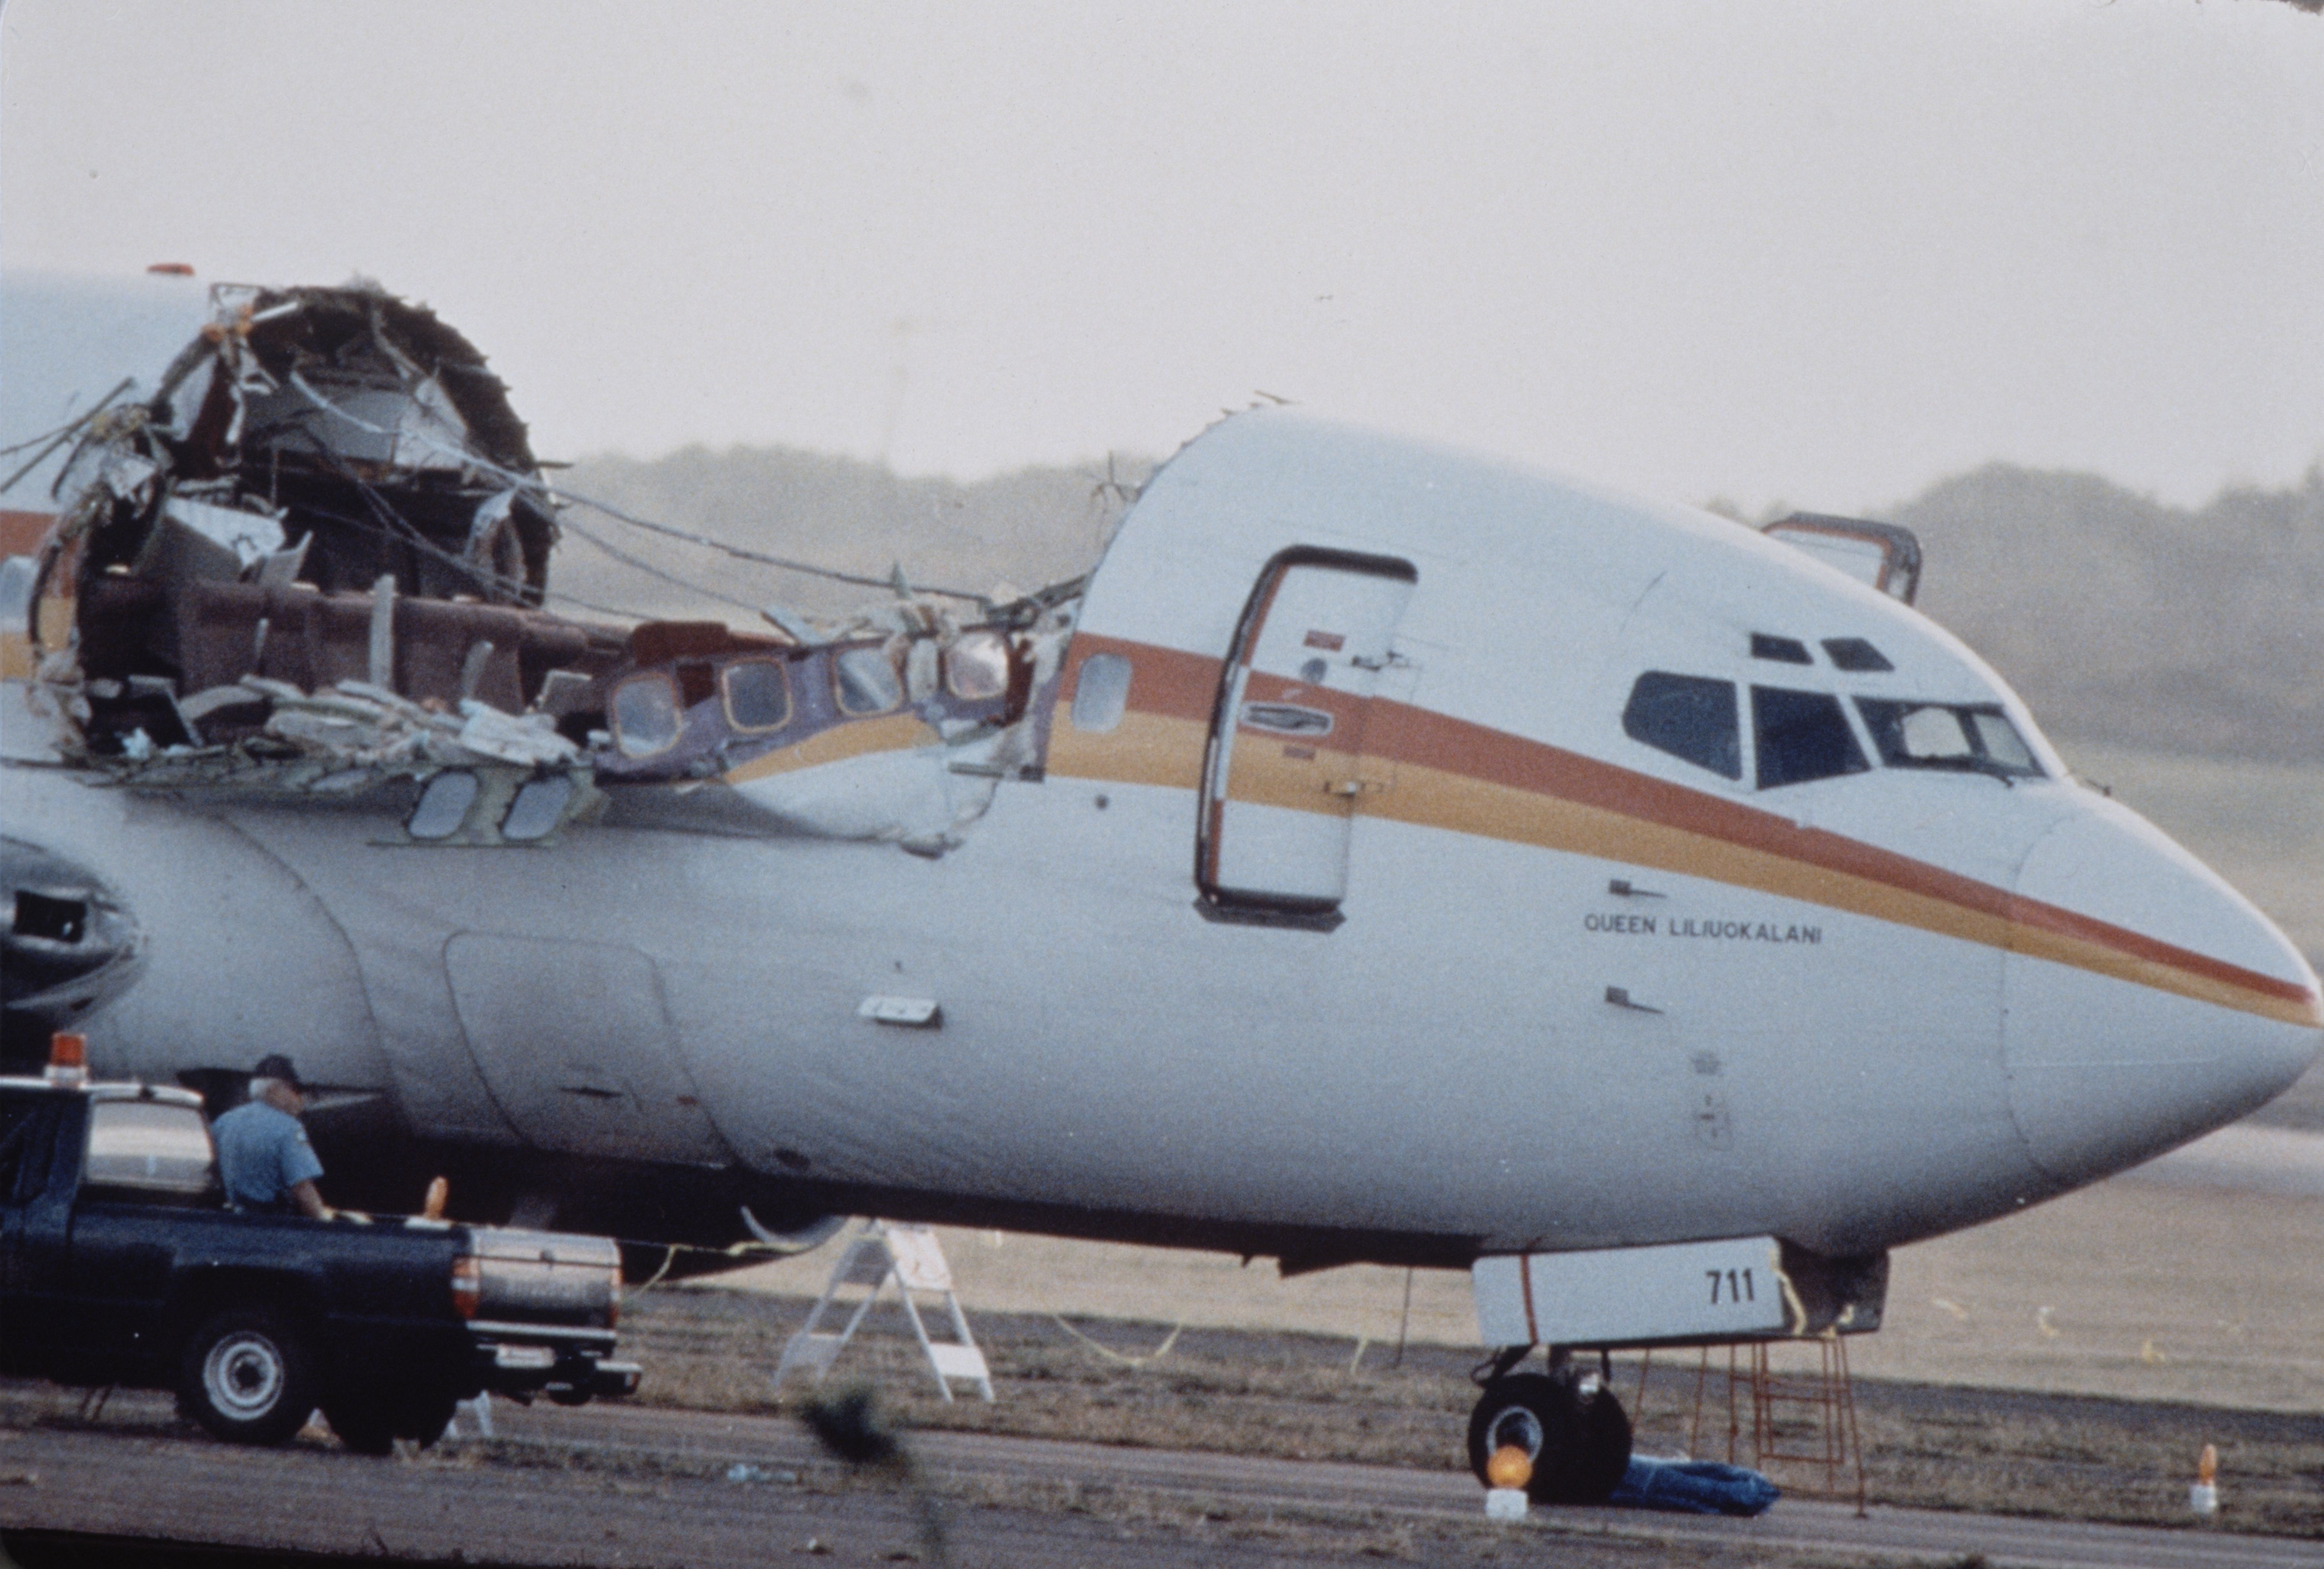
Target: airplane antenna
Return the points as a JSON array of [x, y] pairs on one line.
[[1113, 488]]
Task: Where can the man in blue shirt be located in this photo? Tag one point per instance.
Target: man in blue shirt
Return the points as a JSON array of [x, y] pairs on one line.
[[263, 1157]]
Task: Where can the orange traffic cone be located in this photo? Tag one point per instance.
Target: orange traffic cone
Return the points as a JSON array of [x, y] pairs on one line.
[[2203, 1498]]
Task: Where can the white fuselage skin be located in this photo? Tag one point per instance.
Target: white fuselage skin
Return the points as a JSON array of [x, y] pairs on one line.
[[1495, 1044], [1446, 1062]]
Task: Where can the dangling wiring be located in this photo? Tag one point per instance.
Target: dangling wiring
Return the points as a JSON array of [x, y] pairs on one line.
[[553, 495]]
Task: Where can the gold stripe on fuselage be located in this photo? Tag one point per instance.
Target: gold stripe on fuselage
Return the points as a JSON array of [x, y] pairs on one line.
[[899, 731], [1708, 837]]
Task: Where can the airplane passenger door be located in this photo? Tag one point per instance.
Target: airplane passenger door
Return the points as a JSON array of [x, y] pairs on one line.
[[1285, 763]]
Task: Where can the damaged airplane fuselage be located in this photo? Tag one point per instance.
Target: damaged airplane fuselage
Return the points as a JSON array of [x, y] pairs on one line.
[[1385, 854]]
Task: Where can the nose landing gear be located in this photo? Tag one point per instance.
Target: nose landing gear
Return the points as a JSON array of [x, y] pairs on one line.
[[1566, 1421]]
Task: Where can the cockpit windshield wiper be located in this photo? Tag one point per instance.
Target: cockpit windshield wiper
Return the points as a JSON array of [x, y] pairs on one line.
[[1992, 768]]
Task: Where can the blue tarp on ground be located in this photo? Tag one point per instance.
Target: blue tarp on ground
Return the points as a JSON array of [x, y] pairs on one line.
[[1693, 1487]]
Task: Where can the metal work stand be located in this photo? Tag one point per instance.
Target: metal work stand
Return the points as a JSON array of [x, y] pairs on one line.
[[911, 1257], [1798, 1426]]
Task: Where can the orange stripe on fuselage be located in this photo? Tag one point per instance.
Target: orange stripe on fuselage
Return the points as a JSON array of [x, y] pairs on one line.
[[1467, 778], [1161, 736]]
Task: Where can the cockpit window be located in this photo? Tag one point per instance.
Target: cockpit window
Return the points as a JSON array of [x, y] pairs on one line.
[[1854, 653], [1801, 736], [1689, 717], [1968, 737], [1786, 651]]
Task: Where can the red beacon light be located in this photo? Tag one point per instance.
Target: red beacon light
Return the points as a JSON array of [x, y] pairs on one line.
[[67, 1059]]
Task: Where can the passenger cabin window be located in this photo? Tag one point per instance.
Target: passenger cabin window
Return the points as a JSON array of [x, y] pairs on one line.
[[1968, 737], [443, 806], [539, 805], [645, 715], [1690, 717], [153, 1148], [1101, 692], [976, 666], [1801, 736], [758, 694], [1784, 651], [865, 681]]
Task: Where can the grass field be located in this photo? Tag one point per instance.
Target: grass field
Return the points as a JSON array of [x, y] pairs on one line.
[[1302, 1395], [2133, 1289]]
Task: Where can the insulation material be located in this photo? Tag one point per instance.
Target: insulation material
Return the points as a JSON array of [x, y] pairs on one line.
[[247, 536]]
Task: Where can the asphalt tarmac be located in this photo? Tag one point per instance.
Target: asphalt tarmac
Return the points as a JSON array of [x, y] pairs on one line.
[[626, 1486]]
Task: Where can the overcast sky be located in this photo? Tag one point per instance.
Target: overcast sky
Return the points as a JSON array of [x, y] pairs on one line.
[[1821, 253]]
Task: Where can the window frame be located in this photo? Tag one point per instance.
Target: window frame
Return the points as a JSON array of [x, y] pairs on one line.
[[1857, 656], [1007, 664], [151, 1188], [1735, 714], [1978, 761], [726, 695], [677, 709], [1863, 760], [1098, 707], [839, 689]]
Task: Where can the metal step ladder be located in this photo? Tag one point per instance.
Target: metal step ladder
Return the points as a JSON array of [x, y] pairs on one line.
[[1795, 1424], [876, 1255]]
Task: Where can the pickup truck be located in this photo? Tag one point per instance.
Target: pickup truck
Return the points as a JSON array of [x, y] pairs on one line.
[[121, 1264]]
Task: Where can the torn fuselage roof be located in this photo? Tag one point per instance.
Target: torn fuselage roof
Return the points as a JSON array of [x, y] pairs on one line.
[[327, 439], [312, 565], [329, 485], [897, 730], [369, 433]]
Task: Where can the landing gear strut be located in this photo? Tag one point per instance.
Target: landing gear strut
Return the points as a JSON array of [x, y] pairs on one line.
[[1566, 1420]]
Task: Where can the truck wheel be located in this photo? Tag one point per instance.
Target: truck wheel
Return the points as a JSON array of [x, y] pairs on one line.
[[361, 1422], [425, 1416], [245, 1375], [370, 1421]]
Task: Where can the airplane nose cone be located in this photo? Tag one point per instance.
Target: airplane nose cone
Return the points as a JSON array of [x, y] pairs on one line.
[[2146, 1002]]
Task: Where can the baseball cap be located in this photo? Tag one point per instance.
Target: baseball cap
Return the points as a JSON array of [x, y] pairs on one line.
[[275, 1066]]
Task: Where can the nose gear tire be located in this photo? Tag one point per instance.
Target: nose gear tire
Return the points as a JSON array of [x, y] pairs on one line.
[[1578, 1439]]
